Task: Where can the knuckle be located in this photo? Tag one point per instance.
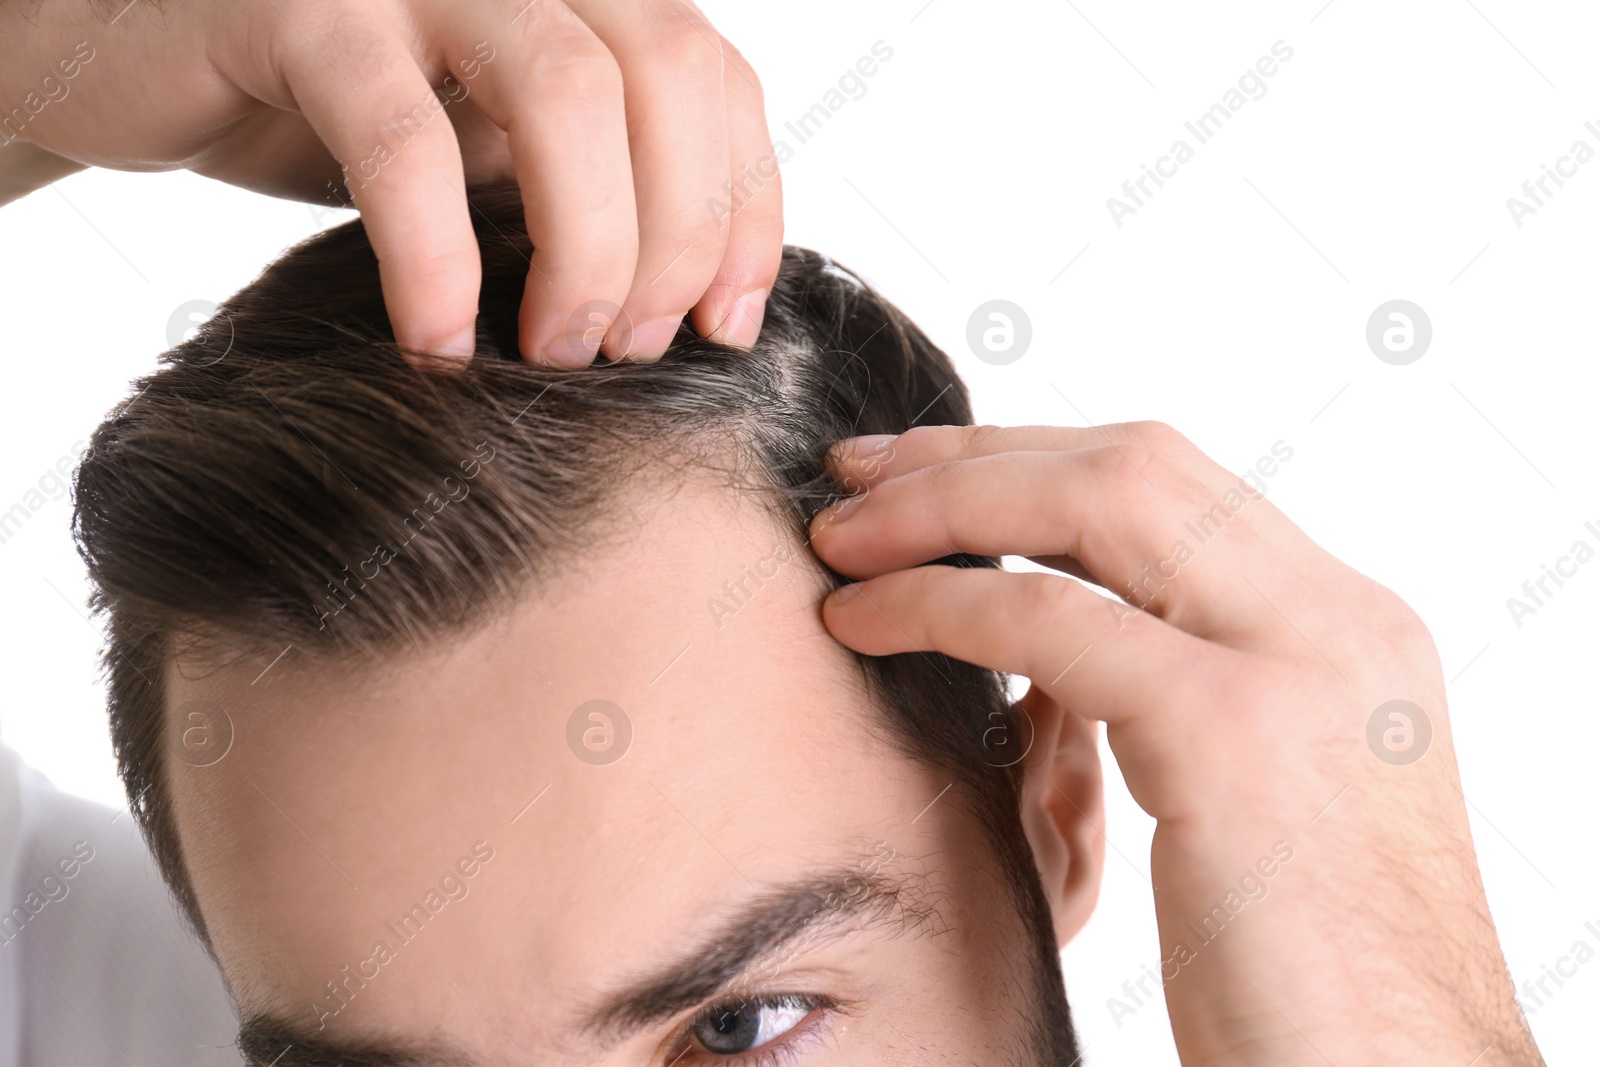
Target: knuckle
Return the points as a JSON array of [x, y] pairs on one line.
[[702, 240], [1046, 596], [689, 50], [1156, 435], [754, 196], [1123, 470], [945, 482], [927, 439], [979, 439], [743, 77], [1389, 619], [574, 68]]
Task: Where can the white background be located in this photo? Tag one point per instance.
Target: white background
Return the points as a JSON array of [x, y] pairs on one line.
[[1233, 305]]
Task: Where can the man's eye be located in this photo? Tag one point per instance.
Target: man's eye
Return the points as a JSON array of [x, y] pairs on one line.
[[729, 1029]]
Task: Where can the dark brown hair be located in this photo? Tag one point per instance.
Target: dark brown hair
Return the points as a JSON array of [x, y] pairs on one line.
[[241, 497]]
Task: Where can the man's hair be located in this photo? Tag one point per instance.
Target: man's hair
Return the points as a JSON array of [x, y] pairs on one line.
[[251, 492]]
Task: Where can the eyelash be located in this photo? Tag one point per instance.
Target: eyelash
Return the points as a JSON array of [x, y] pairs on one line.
[[777, 1053]]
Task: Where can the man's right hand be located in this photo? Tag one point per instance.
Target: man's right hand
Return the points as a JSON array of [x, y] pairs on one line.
[[622, 124]]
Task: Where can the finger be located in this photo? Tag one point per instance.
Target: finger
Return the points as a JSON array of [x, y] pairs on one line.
[[1138, 527], [485, 148], [862, 461], [556, 90], [364, 95], [732, 309], [1096, 656], [1013, 503], [672, 71]]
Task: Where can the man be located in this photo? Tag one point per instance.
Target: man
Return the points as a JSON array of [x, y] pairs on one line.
[[488, 717], [1245, 740]]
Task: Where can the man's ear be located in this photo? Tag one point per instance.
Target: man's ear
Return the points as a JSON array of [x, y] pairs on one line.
[[1063, 810]]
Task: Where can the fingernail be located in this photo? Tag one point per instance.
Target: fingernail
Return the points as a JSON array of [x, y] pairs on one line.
[[846, 592], [842, 510], [651, 339], [573, 351], [464, 343], [743, 323], [872, 444]]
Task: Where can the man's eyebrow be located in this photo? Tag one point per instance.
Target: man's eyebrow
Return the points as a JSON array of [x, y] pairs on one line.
[[761, 929], [757, 931], [270, 1040]]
